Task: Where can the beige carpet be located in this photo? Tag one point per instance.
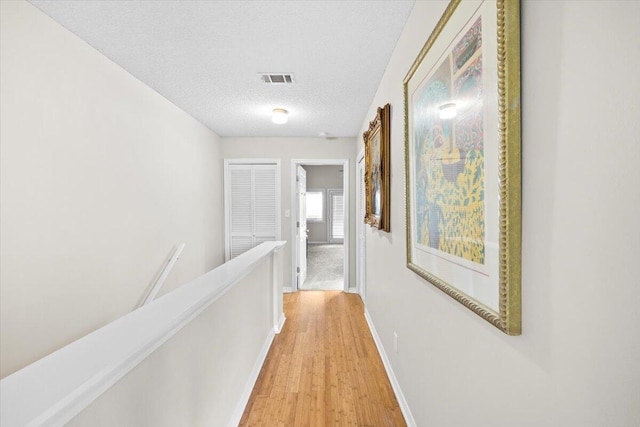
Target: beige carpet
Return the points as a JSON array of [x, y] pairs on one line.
[[324, 268]]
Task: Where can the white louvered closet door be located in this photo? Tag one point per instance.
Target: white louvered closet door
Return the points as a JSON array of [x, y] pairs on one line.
[[264, 212], [240, 209], [251, 207]]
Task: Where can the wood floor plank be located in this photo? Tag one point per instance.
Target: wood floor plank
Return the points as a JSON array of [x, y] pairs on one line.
[[323, 369]]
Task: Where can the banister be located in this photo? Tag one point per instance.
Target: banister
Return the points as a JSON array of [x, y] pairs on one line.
[[163, 276], [57, 387]]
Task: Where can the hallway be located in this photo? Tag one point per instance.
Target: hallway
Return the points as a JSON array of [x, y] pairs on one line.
[[323, 368]]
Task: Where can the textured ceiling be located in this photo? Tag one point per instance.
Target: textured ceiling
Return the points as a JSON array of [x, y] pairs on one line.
[[205, 56]]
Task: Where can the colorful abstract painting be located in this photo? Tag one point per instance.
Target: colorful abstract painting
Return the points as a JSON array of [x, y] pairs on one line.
[[449, 153]]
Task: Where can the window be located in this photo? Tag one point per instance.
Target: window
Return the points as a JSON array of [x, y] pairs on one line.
[[336, 219], [315, 205]]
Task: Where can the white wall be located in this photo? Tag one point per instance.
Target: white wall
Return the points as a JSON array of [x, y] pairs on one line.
[[196, 378], [576, 363], [322, 178], [101, 178], [287, 149]]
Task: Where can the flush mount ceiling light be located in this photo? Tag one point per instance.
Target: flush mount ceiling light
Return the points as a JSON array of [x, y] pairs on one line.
[[279, 116]]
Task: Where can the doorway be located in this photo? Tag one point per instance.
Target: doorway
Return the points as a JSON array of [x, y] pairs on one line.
[[320, 230]]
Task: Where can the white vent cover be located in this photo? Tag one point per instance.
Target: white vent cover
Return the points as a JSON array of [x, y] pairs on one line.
[[277, 78]]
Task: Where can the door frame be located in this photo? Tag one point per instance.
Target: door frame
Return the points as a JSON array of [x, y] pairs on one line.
[[361, 252], [227, 195], [294, 201], [301, 252]]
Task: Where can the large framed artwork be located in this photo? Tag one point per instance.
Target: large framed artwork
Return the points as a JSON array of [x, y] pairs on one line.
[[462, 158], [377, 163]]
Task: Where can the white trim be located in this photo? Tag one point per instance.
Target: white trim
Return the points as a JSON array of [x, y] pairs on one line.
[[227, 205], [294, 202], [280, 324], [75, 375], [251, 382], [288, 289], [255, 372], [404, 406], [361, 285], [353, 291]]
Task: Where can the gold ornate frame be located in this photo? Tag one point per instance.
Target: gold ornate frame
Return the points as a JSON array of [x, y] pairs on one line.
[[508, 317], [377, 166]]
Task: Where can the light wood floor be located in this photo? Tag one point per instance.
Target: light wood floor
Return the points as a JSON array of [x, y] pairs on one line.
[[323, 369]]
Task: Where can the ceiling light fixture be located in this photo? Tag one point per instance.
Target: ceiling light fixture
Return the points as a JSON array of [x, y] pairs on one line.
[[279, 116]]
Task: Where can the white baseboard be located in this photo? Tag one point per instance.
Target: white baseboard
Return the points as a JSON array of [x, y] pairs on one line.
[[353, 290], [248, 388], [287, 289], [280, 324], [404, 406]]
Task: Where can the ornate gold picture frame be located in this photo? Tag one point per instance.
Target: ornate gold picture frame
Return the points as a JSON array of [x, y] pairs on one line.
[[462, 159], [377, 167]]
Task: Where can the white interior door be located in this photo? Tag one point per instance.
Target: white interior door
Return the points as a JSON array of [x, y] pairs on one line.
[[240, 210], [360, 230], [265, 208], [301, 229]]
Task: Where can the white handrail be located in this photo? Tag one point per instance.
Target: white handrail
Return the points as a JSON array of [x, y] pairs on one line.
[[57, 387], [163, 276]]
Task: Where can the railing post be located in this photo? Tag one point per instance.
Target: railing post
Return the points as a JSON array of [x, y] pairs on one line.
[[276, 284]]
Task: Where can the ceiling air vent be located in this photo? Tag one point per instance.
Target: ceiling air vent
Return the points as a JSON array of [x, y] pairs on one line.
[[277, 78]]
